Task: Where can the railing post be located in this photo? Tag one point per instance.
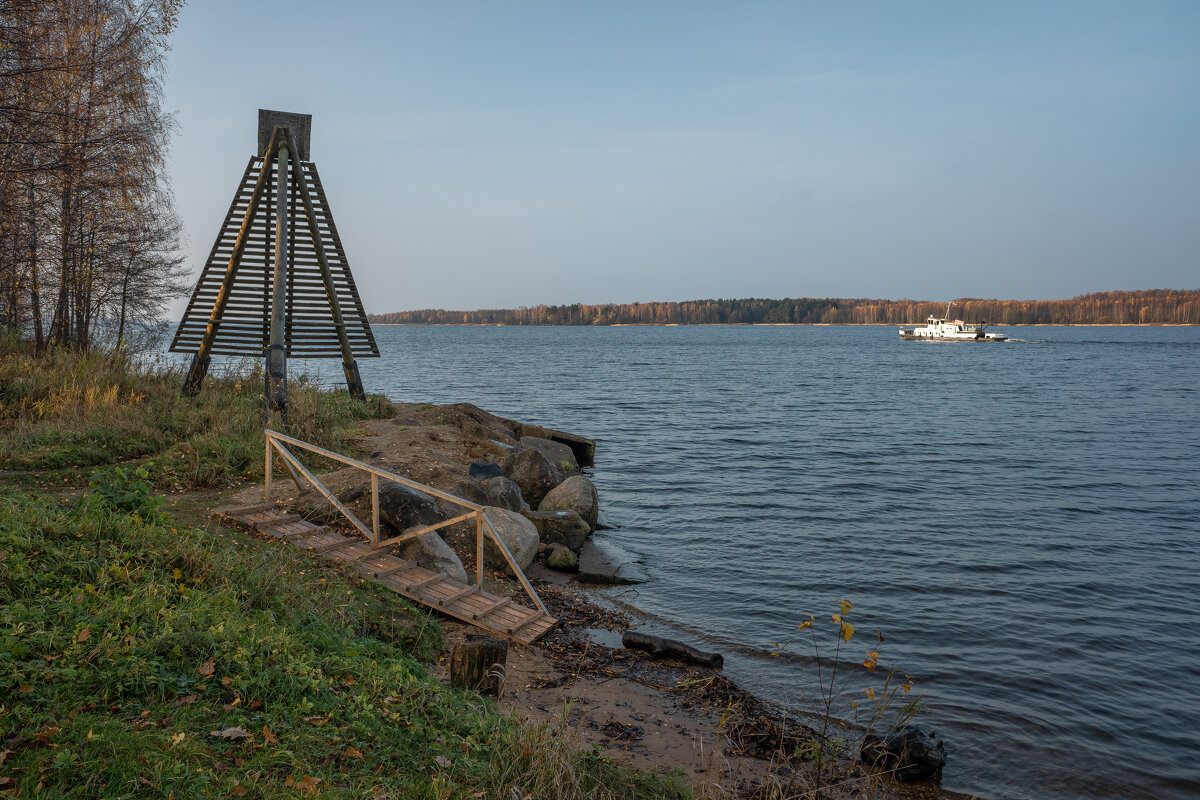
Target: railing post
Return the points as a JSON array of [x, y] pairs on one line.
[[267, 468], [479, 548], [375, 508]]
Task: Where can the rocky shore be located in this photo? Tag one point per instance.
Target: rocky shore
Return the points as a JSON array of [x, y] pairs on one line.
[[630, 705]]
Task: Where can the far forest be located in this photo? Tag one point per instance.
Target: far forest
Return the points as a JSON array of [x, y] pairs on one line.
[[1150, 307]]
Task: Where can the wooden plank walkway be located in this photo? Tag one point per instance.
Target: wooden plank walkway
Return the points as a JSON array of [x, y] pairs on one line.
[[495, 614]]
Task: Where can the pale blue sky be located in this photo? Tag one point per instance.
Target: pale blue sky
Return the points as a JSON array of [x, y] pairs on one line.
[[496, 154]]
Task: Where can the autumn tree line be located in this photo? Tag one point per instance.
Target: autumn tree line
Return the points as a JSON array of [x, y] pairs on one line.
[[89, 237], [1152, 307]]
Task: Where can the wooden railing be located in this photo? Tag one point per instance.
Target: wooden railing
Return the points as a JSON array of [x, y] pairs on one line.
[[277, 442]]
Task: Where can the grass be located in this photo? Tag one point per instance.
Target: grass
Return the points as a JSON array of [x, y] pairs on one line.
[[140, 658], [144, 657], [64, 412]]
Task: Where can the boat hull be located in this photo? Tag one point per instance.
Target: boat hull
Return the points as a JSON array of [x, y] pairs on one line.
[[909, 336]]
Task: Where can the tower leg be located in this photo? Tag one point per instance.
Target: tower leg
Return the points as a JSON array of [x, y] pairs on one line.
[[195, 376], [354, 380], [277, 379]]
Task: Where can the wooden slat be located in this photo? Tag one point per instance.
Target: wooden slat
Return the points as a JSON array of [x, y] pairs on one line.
[[412, 587]]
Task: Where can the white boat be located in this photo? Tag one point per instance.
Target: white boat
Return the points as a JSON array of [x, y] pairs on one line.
[[944, 329]]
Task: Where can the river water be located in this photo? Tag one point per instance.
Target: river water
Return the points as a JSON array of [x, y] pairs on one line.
[[1020, 520]]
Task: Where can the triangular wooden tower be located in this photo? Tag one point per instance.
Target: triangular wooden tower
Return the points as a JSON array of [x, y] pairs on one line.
[[277, 282]]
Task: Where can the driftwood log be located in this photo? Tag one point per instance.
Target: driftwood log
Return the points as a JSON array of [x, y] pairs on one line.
[[669, 648], [478, 663]]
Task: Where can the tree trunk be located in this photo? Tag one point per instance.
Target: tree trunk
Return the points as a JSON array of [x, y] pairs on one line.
[[479, 663]]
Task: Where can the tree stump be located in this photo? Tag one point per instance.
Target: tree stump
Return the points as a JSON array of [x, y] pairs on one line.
[[479, 663]]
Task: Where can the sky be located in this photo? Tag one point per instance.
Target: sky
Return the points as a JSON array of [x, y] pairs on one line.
[[503, 154]]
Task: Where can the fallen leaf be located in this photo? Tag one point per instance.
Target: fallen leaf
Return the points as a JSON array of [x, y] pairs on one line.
[[268, 737], [255, 705], [84, 634], [187, 699], [207, 668], [316, 720], [308, 784], [48, 733], [354, 752], [232, 734], [227, 682], [443, 762], [143, 781], [239, 791], [348, 680], [24, 689], [4, 755]]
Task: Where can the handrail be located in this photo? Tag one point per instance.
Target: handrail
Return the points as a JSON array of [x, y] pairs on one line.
[[275, 441]]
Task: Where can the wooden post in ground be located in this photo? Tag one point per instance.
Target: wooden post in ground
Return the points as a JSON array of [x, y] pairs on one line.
[[479, 663]]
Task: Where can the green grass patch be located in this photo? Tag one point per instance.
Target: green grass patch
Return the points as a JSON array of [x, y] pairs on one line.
[[63, 412], [141, 658]]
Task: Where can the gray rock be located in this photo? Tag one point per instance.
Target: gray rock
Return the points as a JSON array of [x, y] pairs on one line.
[[561, 558], [560, 527], [483, 470], [530, 470], [468, 489], [431, 552], [402, 507], [518, 535], [560, 457], [503, 493], [576, 494], [351, 494], [595, 566], [909, 753]]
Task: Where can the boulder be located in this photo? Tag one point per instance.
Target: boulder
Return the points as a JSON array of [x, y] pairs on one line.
[[402, 507], [909, 754], [518, 535], [560, 527], [350, 495], [561, 558], [560, 457], [530, 470], [503, 493], [484, 469], [431, 552], [576, 494], [468, 489], [597, 566]]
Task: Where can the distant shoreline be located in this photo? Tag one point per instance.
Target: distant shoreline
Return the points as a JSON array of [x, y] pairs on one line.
[[778, 325], [1134, 307]]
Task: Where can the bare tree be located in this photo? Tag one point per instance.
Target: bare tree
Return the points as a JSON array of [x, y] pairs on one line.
[[88, 233]]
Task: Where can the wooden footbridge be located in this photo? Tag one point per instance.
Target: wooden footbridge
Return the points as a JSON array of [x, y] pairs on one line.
[[368, 555]]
